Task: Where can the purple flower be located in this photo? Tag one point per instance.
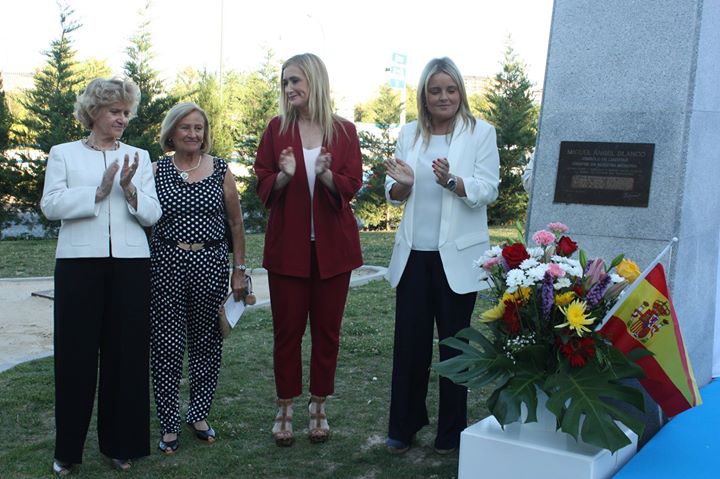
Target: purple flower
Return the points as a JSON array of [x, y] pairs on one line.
[[596, 293], [547, 295]]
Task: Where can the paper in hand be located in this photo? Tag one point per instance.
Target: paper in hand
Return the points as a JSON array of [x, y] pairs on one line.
[[233, 310]]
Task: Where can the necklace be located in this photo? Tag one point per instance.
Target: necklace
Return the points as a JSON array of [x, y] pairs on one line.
[[87, 143], [185, 174]]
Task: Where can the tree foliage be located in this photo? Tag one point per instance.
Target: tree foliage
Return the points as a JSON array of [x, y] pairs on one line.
[[6, 119], [144, 130], [511, 109], [50, 103]]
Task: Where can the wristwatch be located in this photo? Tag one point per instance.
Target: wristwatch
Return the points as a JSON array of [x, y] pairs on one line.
[[240, 267], [451, 183]]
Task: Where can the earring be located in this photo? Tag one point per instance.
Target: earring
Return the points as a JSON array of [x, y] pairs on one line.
[[170, 142]]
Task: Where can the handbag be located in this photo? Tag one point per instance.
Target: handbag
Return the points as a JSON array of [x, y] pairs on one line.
[[248, 298]]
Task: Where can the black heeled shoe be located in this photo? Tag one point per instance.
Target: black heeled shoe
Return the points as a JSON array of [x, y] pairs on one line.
[[169, 447], [207, 435], [61, 469], [121, 464]]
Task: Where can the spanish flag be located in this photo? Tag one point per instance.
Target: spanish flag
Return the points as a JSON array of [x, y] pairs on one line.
[[646, 319]]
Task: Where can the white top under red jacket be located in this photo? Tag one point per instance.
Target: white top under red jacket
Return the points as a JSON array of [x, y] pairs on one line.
[[108, 228]]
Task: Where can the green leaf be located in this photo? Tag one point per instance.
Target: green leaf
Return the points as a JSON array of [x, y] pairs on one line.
[[615, 261], [583, 259], [521, 233], [579, 395], [479, 362]]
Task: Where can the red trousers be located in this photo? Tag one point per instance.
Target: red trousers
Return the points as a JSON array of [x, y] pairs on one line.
[[292, 301]]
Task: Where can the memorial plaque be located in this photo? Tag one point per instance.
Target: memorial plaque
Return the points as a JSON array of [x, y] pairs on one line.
[[615, 174]]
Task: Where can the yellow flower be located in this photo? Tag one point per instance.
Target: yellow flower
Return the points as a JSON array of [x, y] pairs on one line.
[[522, 294], [628, 270], [576, 317], [493, 314], [564, 298]]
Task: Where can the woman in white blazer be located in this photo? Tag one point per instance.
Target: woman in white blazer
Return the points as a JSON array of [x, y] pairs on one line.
[[445, 172], [103, 192]]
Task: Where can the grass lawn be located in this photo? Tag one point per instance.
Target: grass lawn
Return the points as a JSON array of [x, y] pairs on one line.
[[244, 406]]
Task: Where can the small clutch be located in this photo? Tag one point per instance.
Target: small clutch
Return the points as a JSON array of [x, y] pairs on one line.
[[230, 307]]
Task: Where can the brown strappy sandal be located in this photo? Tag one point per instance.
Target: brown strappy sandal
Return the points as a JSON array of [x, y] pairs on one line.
[[282, 429], [318, 430]]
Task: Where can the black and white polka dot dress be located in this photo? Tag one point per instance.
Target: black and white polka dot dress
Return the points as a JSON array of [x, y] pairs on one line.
[[187, 288]]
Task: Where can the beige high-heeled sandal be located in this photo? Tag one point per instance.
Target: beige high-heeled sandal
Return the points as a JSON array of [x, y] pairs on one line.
[[319, 429], [282, 430]]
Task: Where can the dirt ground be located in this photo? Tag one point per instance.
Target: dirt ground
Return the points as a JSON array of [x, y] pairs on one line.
[[26, 313]]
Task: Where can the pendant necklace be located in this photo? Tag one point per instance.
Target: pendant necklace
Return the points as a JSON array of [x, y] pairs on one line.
[[185, 174]]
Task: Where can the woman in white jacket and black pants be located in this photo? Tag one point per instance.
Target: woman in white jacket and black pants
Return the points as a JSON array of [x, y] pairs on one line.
[[103, 192], [445, 171]]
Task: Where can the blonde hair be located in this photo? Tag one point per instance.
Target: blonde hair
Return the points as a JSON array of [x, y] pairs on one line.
[[171, 120], [435, 66], [102, 92], [319, 102]]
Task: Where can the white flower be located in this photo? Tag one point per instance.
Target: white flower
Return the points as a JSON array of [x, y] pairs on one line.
[[536, 252], [529, 263], [483, 276], [537, 273], [561, 283], [616, 278], [515, 279], [571, 269]]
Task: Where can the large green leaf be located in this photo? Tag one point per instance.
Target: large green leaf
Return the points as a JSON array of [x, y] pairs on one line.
[[479, 362], [530, 373], [578, 395]]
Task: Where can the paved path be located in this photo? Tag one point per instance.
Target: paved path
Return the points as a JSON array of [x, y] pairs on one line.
[[26, 312]]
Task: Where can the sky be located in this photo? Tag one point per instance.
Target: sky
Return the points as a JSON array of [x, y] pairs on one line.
[[355, 39]]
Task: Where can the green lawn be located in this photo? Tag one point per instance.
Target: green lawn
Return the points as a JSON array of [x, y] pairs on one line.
[[244, 406]]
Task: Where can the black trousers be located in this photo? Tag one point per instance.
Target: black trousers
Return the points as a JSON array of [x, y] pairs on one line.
[[424, 298], [102, 308]]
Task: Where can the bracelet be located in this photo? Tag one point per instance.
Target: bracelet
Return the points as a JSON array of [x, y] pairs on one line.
[[240, 267], [132, 195]]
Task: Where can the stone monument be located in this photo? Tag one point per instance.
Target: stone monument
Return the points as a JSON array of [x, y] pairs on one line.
[[628, 151]]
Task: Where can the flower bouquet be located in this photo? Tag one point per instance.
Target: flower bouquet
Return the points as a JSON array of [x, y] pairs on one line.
[[540, 335]]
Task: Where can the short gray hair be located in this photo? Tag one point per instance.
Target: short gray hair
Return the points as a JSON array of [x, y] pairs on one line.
[[173, 117], [102, 92]]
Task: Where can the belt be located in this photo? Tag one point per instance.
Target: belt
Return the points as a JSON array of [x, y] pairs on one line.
[[192, 246]]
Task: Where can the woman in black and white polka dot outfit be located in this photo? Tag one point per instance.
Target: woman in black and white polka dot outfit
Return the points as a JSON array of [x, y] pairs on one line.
[[189, 272]]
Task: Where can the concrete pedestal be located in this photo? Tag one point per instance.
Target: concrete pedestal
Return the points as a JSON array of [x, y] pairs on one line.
[[533, 450]]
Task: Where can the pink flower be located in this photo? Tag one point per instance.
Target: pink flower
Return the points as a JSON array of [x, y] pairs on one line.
[[558, 228], [488, 264], [543, 237], [555, 270]]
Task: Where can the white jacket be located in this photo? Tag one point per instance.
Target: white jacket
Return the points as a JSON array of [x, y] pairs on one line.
[[88, 229], [463, 237]]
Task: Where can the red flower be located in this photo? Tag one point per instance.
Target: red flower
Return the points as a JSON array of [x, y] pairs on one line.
[[515, 254], [578, 351], [565, 246], [511, 316]]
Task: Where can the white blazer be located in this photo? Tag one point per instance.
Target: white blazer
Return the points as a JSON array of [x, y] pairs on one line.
[[463, 237], [73, 174]]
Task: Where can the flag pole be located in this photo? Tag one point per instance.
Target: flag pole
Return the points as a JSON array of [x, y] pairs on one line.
[[628, 291]]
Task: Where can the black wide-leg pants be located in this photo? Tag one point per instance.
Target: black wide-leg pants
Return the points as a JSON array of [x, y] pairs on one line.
[[424, 298], [102, 314]]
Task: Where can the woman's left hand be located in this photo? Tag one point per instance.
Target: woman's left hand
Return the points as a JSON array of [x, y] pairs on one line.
[[441, 168], [238, 283], [322, 163], [128, 170]]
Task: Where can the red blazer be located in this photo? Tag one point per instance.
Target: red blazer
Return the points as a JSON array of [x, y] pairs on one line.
[[287, 238]]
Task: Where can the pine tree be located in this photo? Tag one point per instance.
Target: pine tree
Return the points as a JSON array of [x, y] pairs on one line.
[[144, 130], [50, 103], [5, 119], [510, 107]]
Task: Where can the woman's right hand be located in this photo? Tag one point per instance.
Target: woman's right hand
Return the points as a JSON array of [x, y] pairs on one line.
[[400, 171], [107, 181], [287, 161]]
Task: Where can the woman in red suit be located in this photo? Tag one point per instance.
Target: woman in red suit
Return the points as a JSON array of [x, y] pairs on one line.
[[308, 168]]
